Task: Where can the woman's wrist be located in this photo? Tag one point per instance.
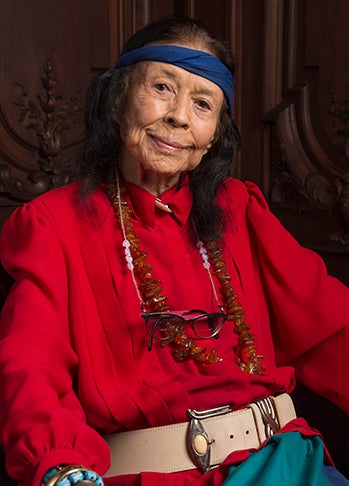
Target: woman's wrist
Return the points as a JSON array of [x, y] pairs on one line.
[[71, 476]]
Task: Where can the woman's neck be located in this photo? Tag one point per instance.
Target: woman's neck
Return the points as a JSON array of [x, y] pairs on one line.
[[152, 182]]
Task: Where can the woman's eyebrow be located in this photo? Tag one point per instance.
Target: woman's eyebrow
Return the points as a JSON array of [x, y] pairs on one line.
[[202, 91], [168, 73]]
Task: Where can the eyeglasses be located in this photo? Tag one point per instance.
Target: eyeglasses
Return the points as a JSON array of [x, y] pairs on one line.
[[164, 326]]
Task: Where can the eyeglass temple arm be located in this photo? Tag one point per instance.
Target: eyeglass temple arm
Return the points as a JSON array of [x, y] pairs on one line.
[[151, 335]]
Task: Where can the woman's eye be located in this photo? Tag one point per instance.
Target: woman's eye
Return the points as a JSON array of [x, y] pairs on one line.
[[161, 87], [203, 104]]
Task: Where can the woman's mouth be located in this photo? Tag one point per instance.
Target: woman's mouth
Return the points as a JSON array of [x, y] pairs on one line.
[[166, 144]]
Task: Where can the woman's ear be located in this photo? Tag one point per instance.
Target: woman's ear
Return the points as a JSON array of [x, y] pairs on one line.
[[208, 147], [211, 142]]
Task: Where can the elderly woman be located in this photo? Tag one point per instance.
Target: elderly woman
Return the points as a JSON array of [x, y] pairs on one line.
[[160, 312]]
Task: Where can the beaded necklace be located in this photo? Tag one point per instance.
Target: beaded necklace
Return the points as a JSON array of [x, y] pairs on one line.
[[150, 295]]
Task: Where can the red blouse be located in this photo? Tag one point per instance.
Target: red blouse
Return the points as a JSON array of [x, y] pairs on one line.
[[74, 362]]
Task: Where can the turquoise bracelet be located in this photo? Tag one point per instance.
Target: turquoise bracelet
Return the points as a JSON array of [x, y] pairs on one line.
[[71, 476]]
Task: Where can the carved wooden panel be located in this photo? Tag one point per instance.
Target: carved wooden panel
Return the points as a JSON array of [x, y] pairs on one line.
[[49, 52], [48, 116], [306, 112]]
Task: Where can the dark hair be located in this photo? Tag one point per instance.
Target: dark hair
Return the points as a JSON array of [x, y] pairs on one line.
[[101, 147]]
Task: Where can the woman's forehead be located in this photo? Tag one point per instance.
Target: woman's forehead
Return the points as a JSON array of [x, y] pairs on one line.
[[149, 71]]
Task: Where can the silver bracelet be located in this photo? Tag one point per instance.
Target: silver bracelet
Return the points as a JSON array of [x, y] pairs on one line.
[[71, 475]]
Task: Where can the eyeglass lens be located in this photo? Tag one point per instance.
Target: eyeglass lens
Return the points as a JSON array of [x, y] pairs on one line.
[[166, 326]]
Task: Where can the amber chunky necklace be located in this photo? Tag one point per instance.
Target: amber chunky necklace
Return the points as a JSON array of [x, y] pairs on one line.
[[150, 295]]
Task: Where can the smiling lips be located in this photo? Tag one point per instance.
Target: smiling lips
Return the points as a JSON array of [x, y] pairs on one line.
[[167, 144]]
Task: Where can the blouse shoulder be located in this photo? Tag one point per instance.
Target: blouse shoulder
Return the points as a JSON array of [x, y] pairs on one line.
[[242, 192], [56, 200], [59, 206], [242, 199], [51, 201], [50, 220]]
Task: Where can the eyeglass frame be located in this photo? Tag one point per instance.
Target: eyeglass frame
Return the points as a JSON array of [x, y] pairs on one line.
[[181, 315]]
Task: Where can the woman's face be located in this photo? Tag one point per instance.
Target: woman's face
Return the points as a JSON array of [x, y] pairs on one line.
[[168, 124]]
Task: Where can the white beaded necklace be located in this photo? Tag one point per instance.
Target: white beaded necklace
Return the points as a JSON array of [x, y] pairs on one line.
[[129, 259]]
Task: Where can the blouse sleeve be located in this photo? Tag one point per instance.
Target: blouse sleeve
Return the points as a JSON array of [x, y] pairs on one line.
[[41, 421], [309, 309]]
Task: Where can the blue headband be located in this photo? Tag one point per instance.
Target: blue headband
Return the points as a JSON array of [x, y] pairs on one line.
[[196, 62]]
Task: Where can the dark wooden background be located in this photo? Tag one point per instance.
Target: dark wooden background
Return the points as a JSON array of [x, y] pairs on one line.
[[291, 103]]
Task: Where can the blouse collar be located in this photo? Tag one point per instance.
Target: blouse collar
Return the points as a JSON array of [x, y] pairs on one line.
[[177, 198]]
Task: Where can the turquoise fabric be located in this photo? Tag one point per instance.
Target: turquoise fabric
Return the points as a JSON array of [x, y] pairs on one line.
[[288, 459]]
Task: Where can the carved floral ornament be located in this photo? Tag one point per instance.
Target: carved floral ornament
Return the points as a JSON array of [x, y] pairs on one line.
[[48, 116], [340, 110], [303, 178]]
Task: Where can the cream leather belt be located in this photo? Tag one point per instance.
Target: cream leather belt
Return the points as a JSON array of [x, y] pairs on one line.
[[203, 442]]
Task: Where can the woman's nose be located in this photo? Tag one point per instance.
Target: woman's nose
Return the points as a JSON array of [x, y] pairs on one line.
[[178, 113]]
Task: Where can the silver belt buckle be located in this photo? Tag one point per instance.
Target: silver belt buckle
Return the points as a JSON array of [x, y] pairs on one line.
[[198, 441], [269, 416]]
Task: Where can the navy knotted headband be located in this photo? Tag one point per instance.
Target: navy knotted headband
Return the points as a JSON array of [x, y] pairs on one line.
[[196, 62]]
